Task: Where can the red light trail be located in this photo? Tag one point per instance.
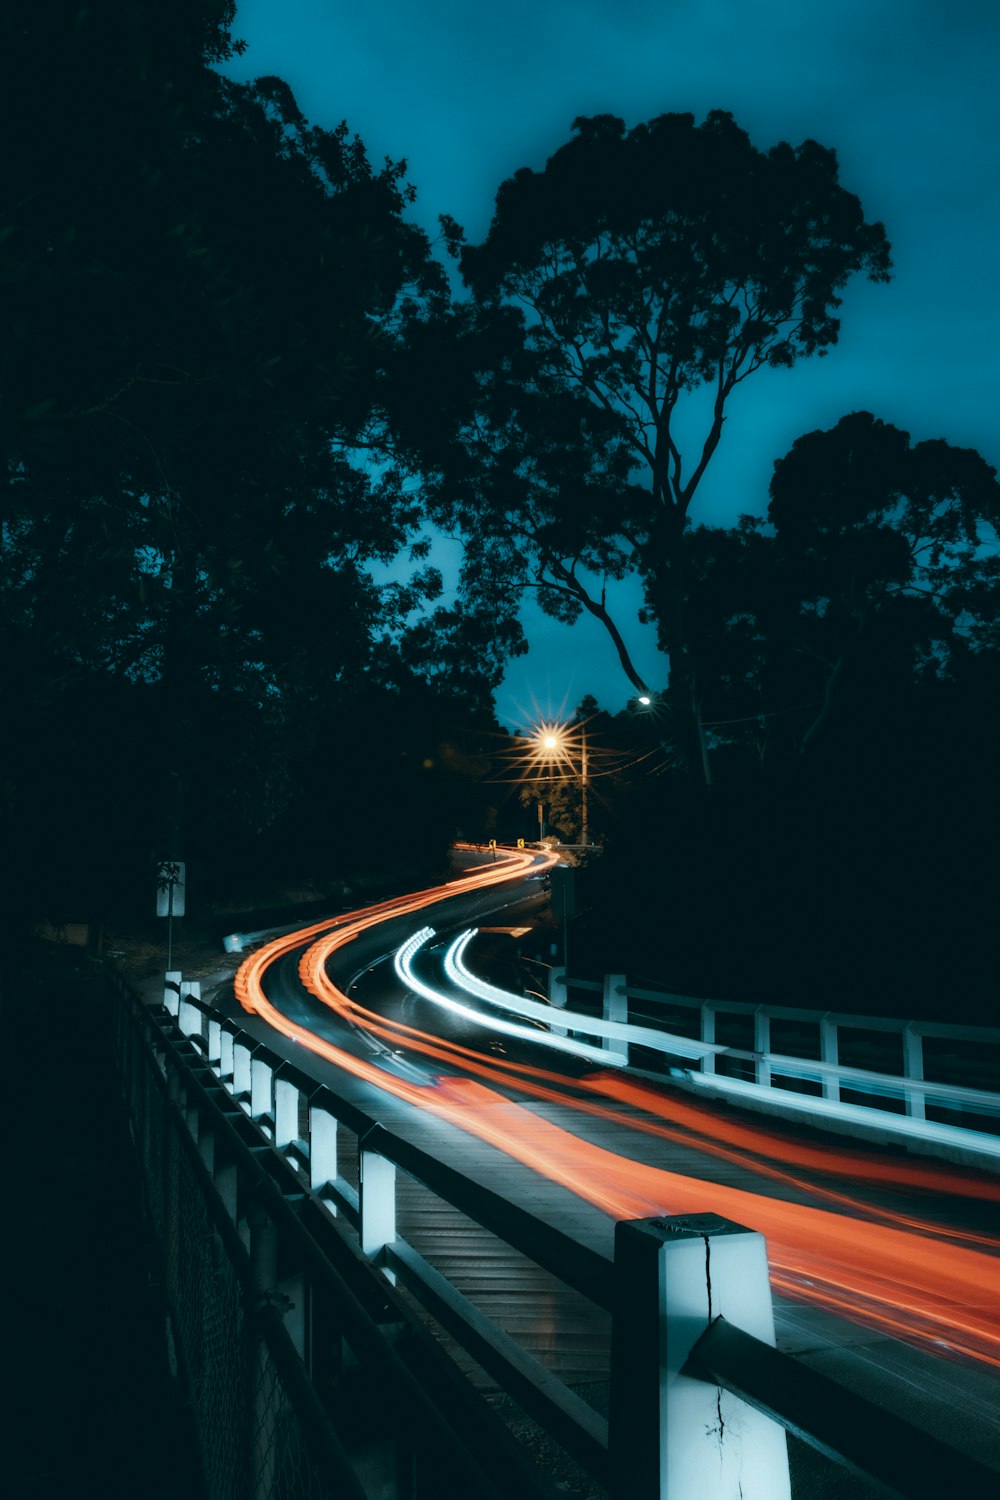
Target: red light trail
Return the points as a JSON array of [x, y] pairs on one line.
[[907, 1275]]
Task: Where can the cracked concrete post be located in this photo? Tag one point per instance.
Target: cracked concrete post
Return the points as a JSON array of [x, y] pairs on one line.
[[672, 1436]]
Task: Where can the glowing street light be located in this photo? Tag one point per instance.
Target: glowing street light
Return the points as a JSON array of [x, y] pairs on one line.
[[558, 743]]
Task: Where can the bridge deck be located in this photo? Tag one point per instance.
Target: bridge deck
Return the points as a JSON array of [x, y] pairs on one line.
[[957, 1401]]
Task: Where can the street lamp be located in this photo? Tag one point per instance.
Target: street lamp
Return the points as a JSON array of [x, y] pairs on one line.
[[557, 742]]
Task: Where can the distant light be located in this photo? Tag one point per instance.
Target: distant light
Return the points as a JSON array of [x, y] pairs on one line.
[[645, 699], [550, 742]]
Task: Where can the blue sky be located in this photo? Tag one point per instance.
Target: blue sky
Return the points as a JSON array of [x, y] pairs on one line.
[[906, 91]]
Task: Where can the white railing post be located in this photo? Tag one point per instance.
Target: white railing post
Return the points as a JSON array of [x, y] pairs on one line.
[[913, 1067], [762, 1045], [214, 1053], [377, 1201], [829, 1052], [558, 994], [671, 1435], [241, 1068], [261, 1096], [615, 1009], [322, 1148], [172, 990], [286, 1113], [188, 1015], [227, 1056], [708, 1034]]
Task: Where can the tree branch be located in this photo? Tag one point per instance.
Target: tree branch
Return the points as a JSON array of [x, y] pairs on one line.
[[573, 586]]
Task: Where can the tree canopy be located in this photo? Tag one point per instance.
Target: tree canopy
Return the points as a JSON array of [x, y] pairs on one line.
[[640, 272], [197, 288]]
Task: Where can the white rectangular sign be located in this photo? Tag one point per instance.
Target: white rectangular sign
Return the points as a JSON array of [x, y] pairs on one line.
[[170, 888]]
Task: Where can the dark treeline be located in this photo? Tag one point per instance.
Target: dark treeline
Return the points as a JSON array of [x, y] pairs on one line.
[[198, 290], [236, 384], [859, 876]]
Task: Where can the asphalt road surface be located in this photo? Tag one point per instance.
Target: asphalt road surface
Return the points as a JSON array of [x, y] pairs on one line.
[[885, 1266]]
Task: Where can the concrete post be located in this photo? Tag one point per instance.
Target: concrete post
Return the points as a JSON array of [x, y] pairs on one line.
[[762, 1045], [261, 1080], [615, 1009], [188, 1015], [227, 1053], [241, 1069], [913, 1067], [673, 1436], [214, 1043], [377, 1201], [322, 1148], [829, 1052], [286, 1113], [172, 990], [558, 993], [708, 1034]]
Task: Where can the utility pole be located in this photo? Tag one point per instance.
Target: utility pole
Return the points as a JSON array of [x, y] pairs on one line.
[[584, 834]]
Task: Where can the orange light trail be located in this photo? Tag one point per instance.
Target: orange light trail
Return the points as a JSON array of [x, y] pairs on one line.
[[894, 1275]]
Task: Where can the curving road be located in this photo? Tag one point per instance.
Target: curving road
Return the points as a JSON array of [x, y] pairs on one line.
[[906, 1249]]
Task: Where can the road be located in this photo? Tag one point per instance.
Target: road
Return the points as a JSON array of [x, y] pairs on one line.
[[885, 1268]]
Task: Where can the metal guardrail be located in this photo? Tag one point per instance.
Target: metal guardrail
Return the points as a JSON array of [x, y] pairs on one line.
[[714, 1067], [305, 1375], [312, 1375]]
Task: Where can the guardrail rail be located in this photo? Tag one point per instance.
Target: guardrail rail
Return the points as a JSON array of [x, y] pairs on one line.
[[301, 1317]]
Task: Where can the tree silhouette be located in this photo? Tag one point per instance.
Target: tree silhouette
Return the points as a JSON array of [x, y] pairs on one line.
[[196, 291], [891, 557], [639, 274]]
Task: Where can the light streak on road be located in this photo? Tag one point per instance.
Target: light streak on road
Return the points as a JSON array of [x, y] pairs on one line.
[[901, 1275], [617, 1031], [846, 1161], [403, 964]]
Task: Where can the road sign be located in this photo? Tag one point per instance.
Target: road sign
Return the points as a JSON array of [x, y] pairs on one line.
[[170, 888]]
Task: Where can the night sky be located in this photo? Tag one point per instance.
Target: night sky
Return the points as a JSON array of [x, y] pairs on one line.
[[905, 90]]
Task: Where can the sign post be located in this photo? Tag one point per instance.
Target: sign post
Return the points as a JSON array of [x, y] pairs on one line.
[[170, 874], [563, 903]]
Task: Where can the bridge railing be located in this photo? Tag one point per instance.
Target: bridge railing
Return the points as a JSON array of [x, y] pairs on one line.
[[310, 1308], [305, 1375], [947, 1114]]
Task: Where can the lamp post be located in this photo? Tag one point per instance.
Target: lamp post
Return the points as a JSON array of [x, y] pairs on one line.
[[554, 741]]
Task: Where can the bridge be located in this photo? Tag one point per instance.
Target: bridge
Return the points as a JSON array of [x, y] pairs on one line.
[[417, 1313]]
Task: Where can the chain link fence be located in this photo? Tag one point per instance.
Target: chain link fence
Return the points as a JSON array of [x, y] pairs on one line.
[[306, 1376], [228, 1336]]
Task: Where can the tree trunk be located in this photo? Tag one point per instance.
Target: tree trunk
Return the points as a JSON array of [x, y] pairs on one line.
[[683, 695], [177, 723]]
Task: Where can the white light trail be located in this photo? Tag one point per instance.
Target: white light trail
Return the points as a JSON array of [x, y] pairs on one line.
[[403, 965], [855, 1115], [618, 1031]]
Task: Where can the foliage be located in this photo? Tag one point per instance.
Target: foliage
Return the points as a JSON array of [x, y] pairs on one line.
[[886, 564], [197, 288], [640, 273]]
